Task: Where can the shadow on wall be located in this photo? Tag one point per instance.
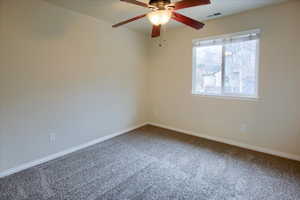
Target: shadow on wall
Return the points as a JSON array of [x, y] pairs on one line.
[[37, 21], [98, 8]]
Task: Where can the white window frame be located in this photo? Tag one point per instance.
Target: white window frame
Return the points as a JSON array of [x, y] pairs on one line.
[[222, 94]]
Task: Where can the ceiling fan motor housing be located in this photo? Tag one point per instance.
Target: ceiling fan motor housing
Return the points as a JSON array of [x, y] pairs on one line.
[[160, 4]]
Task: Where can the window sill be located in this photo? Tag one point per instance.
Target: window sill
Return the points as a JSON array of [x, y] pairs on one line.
[[227, 97]]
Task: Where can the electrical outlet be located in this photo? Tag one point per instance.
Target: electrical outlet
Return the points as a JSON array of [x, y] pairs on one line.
[[243, 128], [52, 137], [155, 113]]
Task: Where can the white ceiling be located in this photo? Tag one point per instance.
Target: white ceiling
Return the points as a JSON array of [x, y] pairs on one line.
[[115, 11]]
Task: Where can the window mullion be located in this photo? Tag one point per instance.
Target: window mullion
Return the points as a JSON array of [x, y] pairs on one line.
[[223, 69]]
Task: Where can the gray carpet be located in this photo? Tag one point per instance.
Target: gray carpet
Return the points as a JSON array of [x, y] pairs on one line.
[[154, 163]]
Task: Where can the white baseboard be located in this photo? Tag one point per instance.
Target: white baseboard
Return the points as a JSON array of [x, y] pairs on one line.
[[234, 143], [82, 146], [65, 152]]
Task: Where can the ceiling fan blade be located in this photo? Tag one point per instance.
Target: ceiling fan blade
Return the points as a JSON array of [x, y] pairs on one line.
[[190, 3], [187, 21], [129, 20], [136, 3], [156, 31]]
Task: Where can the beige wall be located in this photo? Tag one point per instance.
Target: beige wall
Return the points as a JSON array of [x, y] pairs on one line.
[[68, 74], [273, 121], [1, 53]]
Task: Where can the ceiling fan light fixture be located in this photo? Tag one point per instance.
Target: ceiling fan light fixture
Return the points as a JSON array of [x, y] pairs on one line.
[[163, 11], [159, 17]]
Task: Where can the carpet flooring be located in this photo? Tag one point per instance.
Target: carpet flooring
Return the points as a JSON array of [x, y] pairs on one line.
[[154, 163]]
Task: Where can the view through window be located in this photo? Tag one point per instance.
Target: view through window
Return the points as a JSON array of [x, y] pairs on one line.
[[227, 66]]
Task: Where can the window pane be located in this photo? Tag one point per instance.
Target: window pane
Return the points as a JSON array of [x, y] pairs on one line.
[[240, 68], [208, 69]]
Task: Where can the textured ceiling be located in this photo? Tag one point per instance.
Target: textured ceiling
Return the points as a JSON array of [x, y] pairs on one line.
[[115, 11]]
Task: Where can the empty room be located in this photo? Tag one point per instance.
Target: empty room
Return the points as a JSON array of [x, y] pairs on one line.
[[149, 100]]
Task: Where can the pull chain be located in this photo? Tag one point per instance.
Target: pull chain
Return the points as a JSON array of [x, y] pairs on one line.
[[162, 36]]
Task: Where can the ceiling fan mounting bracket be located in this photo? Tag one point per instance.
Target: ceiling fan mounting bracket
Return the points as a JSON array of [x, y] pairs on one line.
[[153, 2], [159, 4]]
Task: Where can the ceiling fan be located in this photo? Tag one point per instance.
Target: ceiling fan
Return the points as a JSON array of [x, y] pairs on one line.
[[164, 10]]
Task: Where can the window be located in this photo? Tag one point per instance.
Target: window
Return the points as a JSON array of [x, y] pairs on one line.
[[227, 65]]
